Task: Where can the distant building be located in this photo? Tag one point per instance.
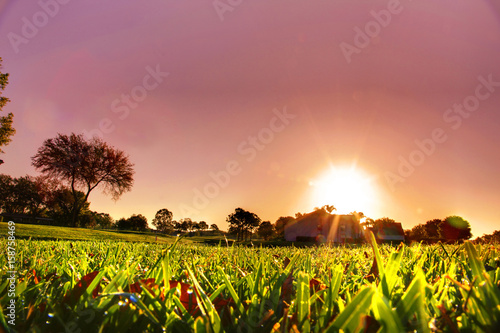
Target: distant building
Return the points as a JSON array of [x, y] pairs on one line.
[[321, 226]]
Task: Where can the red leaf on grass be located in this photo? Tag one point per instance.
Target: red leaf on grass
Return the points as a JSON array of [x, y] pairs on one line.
[[187, 297], [316, 285], [35, 278], [74, 295], [137, 286]]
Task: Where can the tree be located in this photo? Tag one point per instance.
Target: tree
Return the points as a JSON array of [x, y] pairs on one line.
[[103, 220], [195, 226], [326, 208], [6, 129], [61, 203], [214, 227], [203, 225], [358, 215], [242, 222], [163, 220], [84, 165], [136, 222], [418, 233], [23, 195], [265, 230], [455, 228], [368, 224], [433, 229], [281, 223], [186, 224]]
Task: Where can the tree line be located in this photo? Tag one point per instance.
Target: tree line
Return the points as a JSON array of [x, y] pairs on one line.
[[450, 229]]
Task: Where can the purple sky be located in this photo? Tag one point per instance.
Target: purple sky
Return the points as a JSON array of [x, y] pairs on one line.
[[352, 99]]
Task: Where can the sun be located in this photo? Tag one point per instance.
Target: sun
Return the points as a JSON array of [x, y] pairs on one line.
[[347, 188]]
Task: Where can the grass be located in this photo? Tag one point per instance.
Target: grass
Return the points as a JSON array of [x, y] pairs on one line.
[[44, 232], [116, 286]]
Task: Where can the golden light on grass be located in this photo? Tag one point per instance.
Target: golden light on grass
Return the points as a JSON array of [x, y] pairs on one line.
[[348, 188]]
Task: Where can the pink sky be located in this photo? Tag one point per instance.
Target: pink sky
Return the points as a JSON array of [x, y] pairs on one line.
[[230, 72]]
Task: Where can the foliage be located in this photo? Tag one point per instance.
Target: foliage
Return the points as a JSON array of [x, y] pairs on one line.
[[84, 165], [136, 222], [451, 229], [281, 223], [61, 205], [24, 195], [163, 220], [265, 230], [6, 128], [115, 287], [455, 228], [202, 225], [494, 237], [242, 223]]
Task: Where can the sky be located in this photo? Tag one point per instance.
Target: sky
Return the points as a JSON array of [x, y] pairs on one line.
[[386, 107]]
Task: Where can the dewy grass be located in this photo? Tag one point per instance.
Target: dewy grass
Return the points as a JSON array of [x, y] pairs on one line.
[[106, 286]]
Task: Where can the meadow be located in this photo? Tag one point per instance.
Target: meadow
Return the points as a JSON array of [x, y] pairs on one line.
[[119, 286]]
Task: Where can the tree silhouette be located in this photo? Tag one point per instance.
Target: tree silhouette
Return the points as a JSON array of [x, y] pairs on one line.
[[242, 222], [326, 208], [265, 230], [163, 220], [433, 229], [214, 227], [455, 228], [84, 165], [203, 225], [6, 129], [281, 224], [136, 222]]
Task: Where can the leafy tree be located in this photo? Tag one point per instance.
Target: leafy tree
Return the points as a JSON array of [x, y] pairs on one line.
[[84, 165], [177, 225], [281, 223], [369, 223], [6, 129], [103, 220], [383, 221], [327, 208], [163, 220], [299, 215], [61, 203], [433, 229], [214, 227], [455, 228], [186, 224], [358, 215], [136, 222], [265, 230], [417, 233], [203, 225], [242, 222], [195, 226], [6, 197], [23, 195]]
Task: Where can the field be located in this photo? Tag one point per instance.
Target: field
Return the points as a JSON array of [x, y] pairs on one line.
[[118, 286], [45, 232]]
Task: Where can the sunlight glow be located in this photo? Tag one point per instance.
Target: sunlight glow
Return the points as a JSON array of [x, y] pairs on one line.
[[347, 188]]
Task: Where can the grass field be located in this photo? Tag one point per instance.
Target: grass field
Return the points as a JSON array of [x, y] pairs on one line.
[[44, 232], [117, 286]]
